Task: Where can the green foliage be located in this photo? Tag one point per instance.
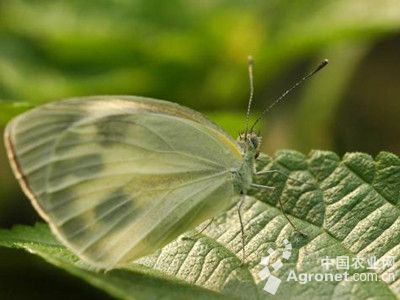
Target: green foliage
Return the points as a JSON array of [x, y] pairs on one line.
[[189, 51], [194, 52], [347, 206]]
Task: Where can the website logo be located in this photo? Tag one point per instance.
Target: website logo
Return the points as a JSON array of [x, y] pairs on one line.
[[273, 282]]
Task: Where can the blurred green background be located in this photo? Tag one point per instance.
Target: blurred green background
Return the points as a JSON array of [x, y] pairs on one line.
[[194, 52]]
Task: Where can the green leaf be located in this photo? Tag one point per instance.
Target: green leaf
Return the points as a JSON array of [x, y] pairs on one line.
[[346, 207]]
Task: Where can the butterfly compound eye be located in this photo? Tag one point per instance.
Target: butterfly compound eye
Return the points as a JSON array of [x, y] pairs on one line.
[[254, 142]]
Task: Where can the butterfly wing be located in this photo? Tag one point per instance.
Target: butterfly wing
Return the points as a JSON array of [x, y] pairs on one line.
[[119, 177]]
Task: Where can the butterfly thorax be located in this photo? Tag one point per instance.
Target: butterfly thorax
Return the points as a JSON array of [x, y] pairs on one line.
[[249, 146]]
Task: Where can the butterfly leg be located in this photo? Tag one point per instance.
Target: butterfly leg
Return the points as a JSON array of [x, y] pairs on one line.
[[205, 227], [259, 186], [242, 197], [283, 174], [280, 206], [270, 171], [287, 217], [197, 234]]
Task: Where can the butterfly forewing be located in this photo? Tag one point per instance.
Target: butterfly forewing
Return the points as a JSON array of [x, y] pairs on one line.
[[118, 178]]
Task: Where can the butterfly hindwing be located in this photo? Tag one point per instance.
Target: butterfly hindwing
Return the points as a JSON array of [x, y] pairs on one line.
[[117, 181]]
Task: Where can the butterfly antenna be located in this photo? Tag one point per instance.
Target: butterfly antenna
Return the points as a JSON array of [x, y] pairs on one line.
[[250, 63], [281, 97]]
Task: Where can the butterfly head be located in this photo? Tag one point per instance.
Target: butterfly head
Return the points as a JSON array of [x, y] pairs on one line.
[[250, 143]]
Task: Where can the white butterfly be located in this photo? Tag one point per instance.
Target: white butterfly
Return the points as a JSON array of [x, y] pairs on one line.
[[117, 177]]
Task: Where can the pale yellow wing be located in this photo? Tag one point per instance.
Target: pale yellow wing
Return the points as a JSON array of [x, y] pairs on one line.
[[117, 178]]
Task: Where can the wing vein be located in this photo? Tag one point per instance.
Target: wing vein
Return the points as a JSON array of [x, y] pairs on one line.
[[147, 190], [128, 228], [155, 224]]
